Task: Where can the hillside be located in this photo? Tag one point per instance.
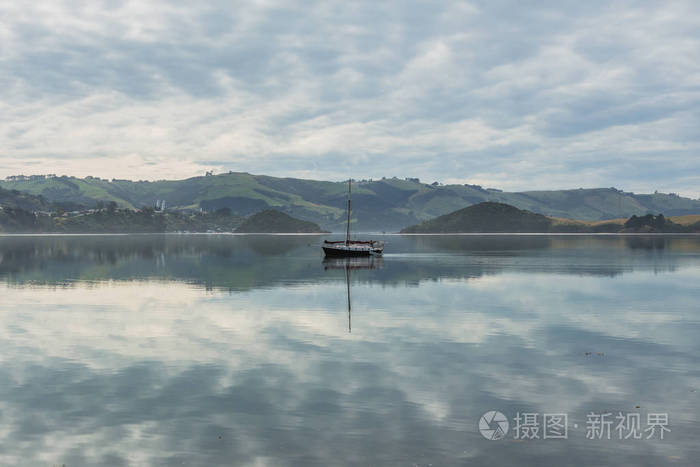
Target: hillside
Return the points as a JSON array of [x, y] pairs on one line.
[[387, 204], [686, 220], [656, 224], [484, 217], [272, 221], [24, 212], [22, 200], [492, 217], [110, 220]]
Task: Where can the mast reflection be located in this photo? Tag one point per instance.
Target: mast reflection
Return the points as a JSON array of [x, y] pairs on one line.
[[348, 264]]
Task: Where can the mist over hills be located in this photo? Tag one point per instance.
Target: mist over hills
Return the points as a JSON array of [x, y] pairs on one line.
[[389, 204]]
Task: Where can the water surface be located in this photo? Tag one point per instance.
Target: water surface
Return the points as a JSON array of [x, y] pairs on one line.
[[240, 350]]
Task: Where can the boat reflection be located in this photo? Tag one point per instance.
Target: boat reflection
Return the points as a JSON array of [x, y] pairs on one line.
[[348, 264], [367, 262]]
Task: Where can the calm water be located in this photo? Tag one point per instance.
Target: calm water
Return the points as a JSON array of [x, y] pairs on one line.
[[233, 350]]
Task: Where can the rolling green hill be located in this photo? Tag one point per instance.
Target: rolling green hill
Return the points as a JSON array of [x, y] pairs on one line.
[[484, 217], [378, 205], [273, 221], [21, 200], [489, 217], [17, 220]]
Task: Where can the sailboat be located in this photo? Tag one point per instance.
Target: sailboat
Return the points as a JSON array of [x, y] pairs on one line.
[[347, 247]]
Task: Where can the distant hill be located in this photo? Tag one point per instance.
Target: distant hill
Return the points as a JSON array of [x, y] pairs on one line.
[[656, 224], [22, 200], [272, 221], [111, 220], [378, 205], [484, 217], [492, 217]]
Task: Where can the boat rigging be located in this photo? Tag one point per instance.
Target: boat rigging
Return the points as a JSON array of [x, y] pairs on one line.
[[348, 247]]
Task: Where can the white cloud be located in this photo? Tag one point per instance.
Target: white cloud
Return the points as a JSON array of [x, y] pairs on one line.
[[528, 97]]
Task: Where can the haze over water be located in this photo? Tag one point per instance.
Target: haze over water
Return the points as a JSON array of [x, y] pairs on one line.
[[240, 350]]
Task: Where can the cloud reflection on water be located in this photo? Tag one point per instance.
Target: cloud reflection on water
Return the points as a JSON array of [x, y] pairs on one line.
[[153, 370]]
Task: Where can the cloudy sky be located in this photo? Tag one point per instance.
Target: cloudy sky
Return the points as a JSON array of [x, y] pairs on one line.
[[515, 95]]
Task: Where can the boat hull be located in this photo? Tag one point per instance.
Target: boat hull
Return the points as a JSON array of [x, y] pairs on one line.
[[335, 252]]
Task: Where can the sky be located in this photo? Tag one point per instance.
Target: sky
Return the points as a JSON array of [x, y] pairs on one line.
[[513, 95]]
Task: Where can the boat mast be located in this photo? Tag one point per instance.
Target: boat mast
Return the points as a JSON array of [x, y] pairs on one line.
[[347, 280], [347, 232]]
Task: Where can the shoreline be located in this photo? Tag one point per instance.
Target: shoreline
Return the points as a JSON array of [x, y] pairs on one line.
[[463, 234]]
